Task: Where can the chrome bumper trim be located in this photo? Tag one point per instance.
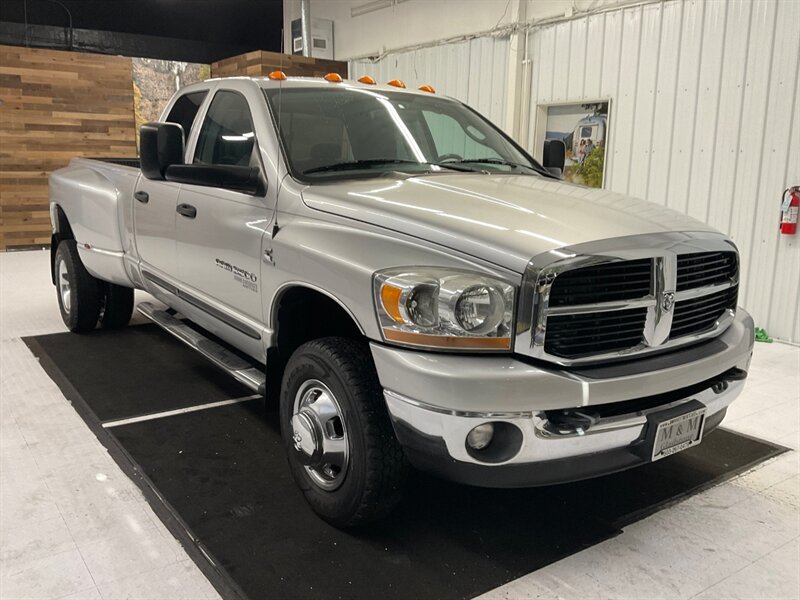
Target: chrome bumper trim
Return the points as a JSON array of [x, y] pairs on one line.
[[457, 413], [539, 444]]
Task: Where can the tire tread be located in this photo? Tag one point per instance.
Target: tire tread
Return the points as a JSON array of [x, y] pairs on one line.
[[85, 291], [118, 306], [387, 466]]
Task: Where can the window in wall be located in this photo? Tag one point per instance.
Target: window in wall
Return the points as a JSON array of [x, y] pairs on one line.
[[583, 127], [227, 136]]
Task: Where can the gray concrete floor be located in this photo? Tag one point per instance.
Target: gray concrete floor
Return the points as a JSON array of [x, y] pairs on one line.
[[73, 526]]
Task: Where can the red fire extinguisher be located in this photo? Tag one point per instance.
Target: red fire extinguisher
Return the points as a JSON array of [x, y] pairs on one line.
[[789, 209]]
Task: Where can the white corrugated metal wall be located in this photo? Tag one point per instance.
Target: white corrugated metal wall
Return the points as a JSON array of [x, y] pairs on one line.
[[705, 115], [705, 118], [474, 71]]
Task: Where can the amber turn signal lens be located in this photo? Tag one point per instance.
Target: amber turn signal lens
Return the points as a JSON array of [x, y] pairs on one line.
[[397, 83], [333, 78], [366, 79], [277, 75], [427, 88], [390, 298]]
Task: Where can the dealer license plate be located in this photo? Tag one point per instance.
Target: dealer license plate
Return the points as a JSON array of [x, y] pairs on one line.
[[679, 433]]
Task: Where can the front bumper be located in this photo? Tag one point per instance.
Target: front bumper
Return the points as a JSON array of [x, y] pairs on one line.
[[435, 400]]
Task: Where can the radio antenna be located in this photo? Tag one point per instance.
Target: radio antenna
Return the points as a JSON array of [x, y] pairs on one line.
[[275, 226]]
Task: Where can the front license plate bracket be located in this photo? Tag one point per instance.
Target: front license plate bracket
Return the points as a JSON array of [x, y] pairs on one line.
[[673, 430]]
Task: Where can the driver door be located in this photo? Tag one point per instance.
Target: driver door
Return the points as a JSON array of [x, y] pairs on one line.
[[219, 231]]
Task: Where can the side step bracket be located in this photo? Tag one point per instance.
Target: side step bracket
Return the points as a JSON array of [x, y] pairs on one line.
[[237, 367]]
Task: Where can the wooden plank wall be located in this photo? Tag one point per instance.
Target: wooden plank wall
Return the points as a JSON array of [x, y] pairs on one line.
[[261, 63], [55, 105]]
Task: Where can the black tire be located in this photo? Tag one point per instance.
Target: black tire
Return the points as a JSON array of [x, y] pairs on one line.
[[377, 469], [83, 307], [117, 306]]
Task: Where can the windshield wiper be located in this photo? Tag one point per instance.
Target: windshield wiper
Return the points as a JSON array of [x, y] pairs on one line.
[[358, 164], [490, 160], [495, 161], [369, 162]]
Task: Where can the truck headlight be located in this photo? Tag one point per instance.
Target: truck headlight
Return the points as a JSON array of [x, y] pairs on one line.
[[444, 309]]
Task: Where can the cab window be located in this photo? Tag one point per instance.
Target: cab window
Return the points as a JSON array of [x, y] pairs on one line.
[[226, 137], [184, 111]]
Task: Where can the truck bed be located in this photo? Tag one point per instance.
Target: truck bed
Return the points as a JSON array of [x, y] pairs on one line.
[[95, 195], [125, 162]]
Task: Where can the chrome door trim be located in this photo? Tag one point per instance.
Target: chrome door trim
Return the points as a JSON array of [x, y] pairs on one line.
[[162, 283], [662, 248], [229, 320]]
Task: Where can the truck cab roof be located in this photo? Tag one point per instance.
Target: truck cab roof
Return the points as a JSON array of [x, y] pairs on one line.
[[311, 82]]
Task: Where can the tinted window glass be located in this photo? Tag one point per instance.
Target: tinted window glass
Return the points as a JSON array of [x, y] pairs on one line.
[[226, 137], [352, 132], [185, 110], [454, 139], [316, 139]]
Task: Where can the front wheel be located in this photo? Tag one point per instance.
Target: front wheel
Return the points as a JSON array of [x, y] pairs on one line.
[[341, 447], [79, 293]]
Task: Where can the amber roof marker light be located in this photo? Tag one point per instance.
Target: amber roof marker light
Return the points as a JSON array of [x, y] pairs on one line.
[[427, 88], [366, 79], [333, 78], [397, 83], [277, 75]]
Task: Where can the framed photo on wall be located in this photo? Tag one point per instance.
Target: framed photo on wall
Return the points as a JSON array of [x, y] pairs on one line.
[[583, 127]]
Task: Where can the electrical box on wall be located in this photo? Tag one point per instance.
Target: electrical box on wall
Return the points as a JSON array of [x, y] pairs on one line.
[[321, 38]]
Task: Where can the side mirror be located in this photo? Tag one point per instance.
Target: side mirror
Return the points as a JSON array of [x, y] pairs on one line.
[[160, 146], [554, 156], [243, 179]]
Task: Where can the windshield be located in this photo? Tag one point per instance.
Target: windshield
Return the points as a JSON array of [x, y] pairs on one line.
[[351, 132]]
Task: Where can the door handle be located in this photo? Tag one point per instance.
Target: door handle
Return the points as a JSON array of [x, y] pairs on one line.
[[142, 197], [187, 210]]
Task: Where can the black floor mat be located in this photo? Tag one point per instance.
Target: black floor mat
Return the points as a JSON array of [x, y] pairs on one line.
[[223, 486], [137, 370]]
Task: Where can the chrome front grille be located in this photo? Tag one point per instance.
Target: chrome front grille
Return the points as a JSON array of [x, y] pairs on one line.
[[602, 283], [579, 335], [705, 268], [597, 302], [701, 313]]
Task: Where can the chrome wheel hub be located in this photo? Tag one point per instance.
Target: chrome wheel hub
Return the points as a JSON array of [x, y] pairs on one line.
[[63, 284], [319, 434]]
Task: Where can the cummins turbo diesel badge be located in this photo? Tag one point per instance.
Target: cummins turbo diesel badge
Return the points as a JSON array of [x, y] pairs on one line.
[[246, 278]]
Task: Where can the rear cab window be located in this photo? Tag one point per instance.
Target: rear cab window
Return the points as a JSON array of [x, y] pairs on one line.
[[184, 111]]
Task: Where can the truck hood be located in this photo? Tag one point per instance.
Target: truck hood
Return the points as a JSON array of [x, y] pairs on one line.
[[505, 219]]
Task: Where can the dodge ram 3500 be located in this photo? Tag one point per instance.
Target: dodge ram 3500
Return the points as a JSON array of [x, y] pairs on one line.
[[409, 285]]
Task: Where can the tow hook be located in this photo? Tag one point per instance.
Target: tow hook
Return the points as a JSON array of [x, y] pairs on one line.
[[726, 378], [572, 421]]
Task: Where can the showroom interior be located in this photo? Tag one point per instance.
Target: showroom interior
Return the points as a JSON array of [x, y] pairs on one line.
[[399, 298]]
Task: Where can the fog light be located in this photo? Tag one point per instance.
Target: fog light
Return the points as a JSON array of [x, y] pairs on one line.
[[481, 436]]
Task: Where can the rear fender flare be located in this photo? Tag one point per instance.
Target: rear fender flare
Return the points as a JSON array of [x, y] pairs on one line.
[[61, 231]]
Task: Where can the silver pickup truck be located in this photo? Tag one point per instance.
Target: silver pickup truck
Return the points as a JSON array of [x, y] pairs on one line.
[[409, 285]]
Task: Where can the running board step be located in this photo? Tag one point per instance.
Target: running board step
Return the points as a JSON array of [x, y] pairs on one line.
[[237, 367]]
